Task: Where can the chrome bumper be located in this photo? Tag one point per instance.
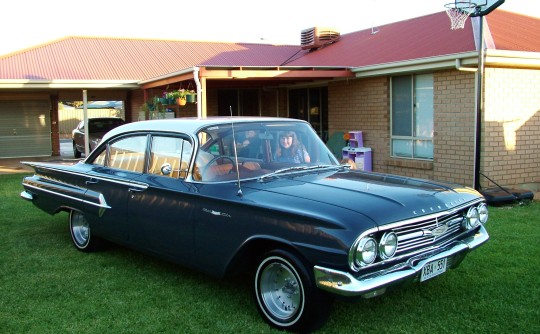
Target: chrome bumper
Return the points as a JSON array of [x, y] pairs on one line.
[[27, 196], [345, 284]]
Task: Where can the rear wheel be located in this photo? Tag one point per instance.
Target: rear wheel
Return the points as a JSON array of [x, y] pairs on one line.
[[81, 234], [76, 152], [286, 295]]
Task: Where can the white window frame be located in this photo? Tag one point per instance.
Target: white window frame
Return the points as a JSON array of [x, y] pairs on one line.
[[415, 145]]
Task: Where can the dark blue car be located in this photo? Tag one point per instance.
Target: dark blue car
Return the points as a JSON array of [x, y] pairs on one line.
[[264, 195]]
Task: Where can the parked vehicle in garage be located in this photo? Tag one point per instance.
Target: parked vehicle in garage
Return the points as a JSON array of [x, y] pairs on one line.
[[306, 227], [97, 127]]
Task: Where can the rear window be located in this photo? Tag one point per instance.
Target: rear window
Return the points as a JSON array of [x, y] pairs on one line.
[[104, 125]]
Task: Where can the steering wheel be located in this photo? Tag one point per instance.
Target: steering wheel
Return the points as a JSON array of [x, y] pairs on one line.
[[205, 169]]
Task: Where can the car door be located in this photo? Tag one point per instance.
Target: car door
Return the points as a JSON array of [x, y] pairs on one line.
[[160, 216], [112, 176]]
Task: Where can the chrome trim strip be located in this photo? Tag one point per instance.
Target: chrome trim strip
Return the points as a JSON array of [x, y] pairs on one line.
[[142, 185], [431, 216], [345, 284], [102, 202]]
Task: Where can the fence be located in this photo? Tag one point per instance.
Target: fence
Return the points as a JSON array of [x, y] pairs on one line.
[[68, 119]]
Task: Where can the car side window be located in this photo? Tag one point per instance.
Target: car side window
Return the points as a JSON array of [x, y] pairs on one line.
[[170, 156], [128, 153]]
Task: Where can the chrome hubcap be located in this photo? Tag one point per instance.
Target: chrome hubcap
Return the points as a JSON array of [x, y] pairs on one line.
[[280, 291], [80, 229]]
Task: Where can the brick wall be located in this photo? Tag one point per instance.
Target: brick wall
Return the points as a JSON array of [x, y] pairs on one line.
[[511, 147], [454, 125], [364, 104]]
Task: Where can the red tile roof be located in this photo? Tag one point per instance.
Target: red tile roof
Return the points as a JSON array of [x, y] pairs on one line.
[[425, 37], [511, 31], [422, 37], [79, 58]]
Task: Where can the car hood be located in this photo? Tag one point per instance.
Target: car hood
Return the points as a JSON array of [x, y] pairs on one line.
[[382, 198]]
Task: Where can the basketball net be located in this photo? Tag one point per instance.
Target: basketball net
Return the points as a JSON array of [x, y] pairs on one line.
[[458, 12]]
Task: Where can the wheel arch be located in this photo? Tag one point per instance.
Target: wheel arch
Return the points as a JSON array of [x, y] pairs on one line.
[[249, 253]]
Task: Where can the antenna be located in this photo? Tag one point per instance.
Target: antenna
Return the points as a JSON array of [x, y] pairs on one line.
[[235, 155]]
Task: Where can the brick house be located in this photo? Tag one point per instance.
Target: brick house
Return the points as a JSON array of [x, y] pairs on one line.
[[411, 87]]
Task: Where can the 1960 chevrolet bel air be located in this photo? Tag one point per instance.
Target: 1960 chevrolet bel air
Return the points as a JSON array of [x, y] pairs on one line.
[[265, 195]]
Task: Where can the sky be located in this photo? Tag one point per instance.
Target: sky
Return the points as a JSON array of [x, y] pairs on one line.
[[29, 23]]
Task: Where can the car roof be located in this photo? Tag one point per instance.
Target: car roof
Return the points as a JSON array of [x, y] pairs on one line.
[[189, 125], [97, 119]]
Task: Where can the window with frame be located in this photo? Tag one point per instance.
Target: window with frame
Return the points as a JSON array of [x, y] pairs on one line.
[[128, 153], [170, 156], [412, 116]]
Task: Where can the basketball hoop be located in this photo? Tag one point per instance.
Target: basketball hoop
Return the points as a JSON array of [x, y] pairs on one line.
[[458, 12]]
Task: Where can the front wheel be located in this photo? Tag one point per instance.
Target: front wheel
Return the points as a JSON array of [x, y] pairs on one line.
[[81, 234], [286, 295]]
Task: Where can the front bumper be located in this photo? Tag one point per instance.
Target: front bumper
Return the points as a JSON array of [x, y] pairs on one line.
[[371, 285]]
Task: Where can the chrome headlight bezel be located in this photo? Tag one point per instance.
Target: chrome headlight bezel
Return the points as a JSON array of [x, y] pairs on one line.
[[366, 252], [472, 218], [483, 213], [388, 245]]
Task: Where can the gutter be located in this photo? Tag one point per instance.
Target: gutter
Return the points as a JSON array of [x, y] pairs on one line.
[[70, 84], [199, 91], [467, 61], [414, 65], [521, 59], [166, 76]]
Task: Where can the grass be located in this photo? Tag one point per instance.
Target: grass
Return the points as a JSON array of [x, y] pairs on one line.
[[46, 286]]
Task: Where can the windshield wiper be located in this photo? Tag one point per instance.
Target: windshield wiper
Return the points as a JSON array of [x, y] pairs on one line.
[[296, 169]]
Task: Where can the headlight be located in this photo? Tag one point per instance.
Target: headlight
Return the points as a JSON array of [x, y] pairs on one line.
[[366, 252], [483, 213], [388, 245], [472, 219]]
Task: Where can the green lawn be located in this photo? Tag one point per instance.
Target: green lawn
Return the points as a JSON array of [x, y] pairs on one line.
[[46, 286]]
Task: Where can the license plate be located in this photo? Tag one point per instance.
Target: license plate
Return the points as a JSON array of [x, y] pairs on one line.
[[433, 269]]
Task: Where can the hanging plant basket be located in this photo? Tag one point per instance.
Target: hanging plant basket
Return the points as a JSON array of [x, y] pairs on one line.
[[191, 98], [181, 101]]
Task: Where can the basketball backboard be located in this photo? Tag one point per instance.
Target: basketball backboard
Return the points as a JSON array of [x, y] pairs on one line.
[[486, 6], [460, 10], [482, 7]]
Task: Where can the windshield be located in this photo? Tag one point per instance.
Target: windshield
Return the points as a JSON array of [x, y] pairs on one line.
[[256, 149]]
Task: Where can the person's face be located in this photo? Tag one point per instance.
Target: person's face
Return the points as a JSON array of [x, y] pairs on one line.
[[285, 141], [250, 134]]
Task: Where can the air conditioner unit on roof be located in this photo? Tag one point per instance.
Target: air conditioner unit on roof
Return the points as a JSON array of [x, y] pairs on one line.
[[316, 37]]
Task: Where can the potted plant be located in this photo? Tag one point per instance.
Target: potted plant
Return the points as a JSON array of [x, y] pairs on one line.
[[191, 96], [164, 99], [179, 95]]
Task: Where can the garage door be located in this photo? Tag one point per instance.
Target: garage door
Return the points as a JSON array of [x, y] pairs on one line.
[[25, 128]]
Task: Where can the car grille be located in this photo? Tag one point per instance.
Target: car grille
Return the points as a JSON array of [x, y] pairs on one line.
[[420, 235]]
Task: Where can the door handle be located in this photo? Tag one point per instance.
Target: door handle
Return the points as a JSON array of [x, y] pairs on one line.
[[92, 181], [132, 191]]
